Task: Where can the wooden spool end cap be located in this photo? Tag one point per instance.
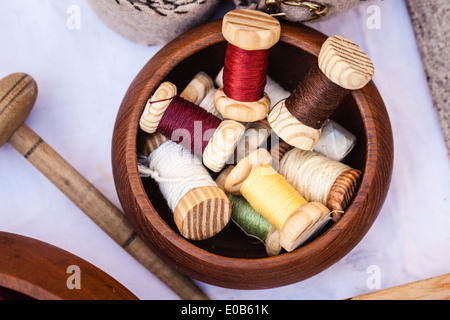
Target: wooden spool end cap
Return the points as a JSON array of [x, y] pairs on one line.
[[345, 63], [251, 29], [242, 111], [202, 213], [154, 111], [149, 142], [302, 224], [245, 167], [292, 131], [273, 244], [220, 180], [198, 88], [343, 191], [222, 144], [278, 152], [18, 93]]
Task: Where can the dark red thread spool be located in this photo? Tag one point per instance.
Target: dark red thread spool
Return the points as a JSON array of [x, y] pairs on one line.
[[182, 116]]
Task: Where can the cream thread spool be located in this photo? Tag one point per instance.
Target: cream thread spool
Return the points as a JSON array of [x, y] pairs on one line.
[[249, 221], [277, 201], [200, 208], [321, 179], [219, 147], [342, 67], [251, 31]]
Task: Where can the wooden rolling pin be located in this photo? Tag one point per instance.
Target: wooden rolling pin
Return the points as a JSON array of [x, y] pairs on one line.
[[18, 93]]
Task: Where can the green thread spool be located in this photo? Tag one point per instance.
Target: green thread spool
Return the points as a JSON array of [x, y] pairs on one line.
[[254, 225]]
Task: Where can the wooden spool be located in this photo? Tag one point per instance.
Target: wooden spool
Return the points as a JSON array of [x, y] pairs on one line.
[[305, 218], [342, 62], [230, 259], [343, 188], [202, 212], [272, 240], [37, 270], [249, 30], [220, 146]]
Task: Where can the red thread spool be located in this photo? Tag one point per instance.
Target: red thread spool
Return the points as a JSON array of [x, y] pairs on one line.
[[245, 73], [250, 35]]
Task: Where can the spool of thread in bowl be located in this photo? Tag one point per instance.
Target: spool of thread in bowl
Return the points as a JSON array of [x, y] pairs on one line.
[[276, 200], [190, 125], [342, 67], [250, 35], [201, 209], [249, 221], [319, 178]]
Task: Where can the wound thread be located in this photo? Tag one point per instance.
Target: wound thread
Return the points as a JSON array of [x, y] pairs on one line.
[[188, 124], [244, 73], [247, 219], [315, 99], [310, 173], [271, 195], [177, 172]]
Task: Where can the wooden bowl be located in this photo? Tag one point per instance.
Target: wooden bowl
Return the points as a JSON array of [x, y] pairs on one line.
[[230, 259], [35, 270]]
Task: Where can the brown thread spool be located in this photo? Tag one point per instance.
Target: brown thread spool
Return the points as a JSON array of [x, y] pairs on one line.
[[342, 67], [250, 31]]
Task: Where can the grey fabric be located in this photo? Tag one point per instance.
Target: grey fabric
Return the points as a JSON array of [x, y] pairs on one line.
[[153, 21], [300, 14], [431, 24]]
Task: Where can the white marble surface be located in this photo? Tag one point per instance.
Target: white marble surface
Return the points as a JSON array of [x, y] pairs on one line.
[[83, 75]]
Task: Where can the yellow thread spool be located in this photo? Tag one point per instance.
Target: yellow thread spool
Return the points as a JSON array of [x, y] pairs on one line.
[[271, 195], [276, 200]]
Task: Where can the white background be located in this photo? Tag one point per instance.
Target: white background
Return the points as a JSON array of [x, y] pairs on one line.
[[83, 75]]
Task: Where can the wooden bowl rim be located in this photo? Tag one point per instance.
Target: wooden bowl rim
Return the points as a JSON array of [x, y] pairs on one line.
[[310, 41], [39, 270]]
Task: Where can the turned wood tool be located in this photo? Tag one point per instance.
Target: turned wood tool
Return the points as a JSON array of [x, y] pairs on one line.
[[18, 93]]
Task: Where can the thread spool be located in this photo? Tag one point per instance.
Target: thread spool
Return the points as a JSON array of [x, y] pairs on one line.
[[273, 89], [342, 67], [320, 179], [200, 208], [250, 35], [171, 115], [198, 88], [249, 221], [276, 200]]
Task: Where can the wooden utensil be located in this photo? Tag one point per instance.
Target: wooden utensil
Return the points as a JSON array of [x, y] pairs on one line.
[[18, 93], [437, 288], [38, 270]]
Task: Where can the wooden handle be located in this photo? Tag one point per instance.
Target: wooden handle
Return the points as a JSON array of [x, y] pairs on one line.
[[98, 208], [437, 288]]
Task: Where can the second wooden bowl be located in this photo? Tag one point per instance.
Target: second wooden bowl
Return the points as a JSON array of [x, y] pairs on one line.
[[230, 259]]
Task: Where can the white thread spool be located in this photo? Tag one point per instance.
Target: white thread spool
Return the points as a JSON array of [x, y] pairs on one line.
[[200, 208]]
